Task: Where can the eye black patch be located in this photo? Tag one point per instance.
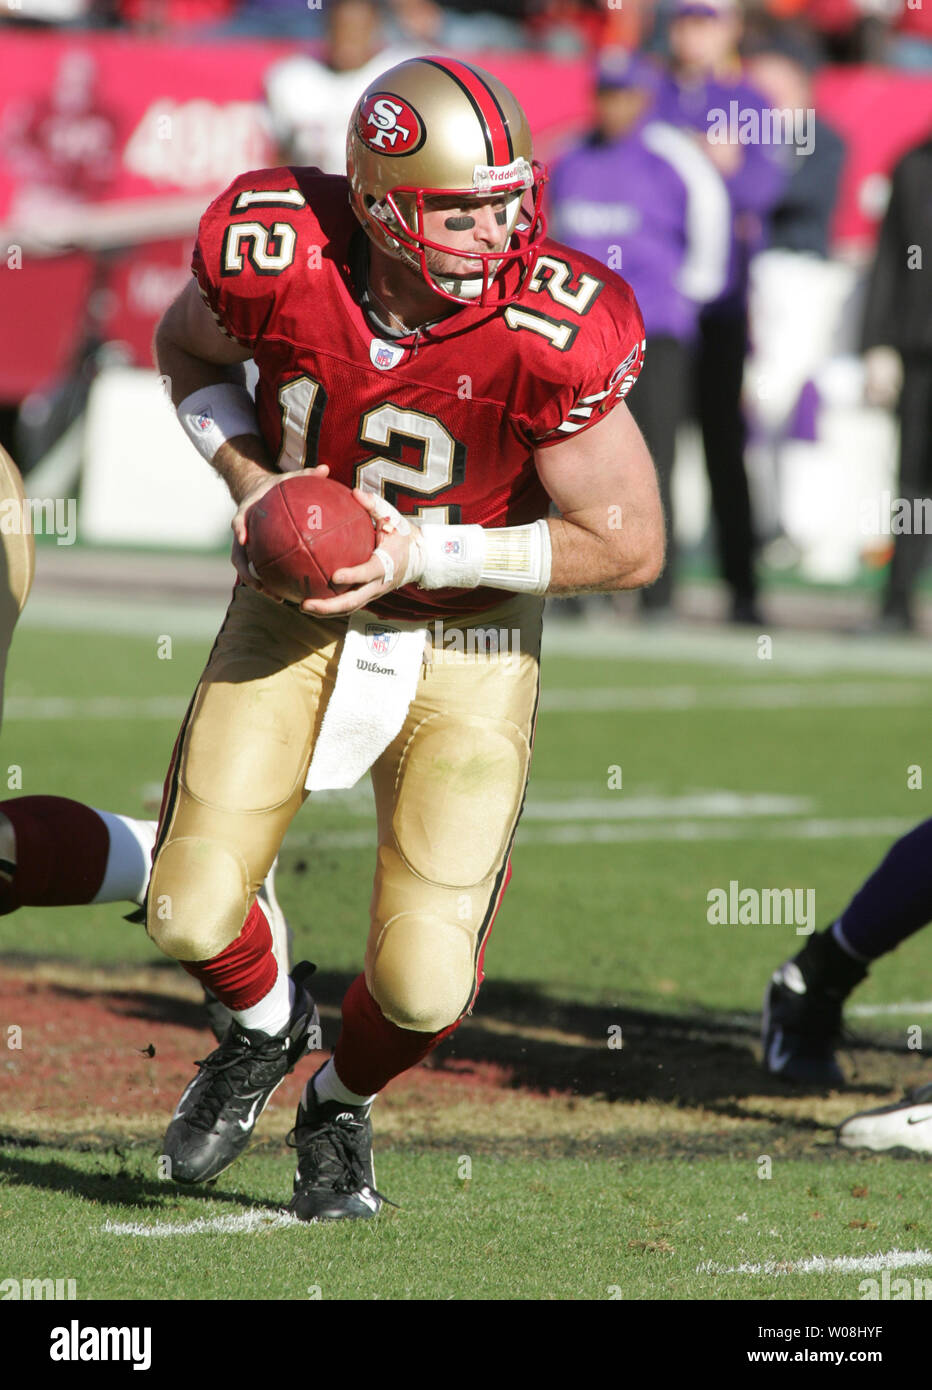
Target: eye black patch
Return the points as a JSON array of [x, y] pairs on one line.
[[459, 224], [501, 217]]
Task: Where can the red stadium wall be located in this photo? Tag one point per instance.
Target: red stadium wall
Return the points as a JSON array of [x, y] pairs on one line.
[[153, 129]]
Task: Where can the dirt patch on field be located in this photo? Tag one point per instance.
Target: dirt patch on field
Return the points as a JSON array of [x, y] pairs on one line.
[[100, 1057]]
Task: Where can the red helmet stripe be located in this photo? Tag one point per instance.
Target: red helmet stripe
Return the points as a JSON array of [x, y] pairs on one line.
[[498, 145]]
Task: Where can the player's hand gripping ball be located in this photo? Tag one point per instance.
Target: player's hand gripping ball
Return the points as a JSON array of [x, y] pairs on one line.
[[300, 532]]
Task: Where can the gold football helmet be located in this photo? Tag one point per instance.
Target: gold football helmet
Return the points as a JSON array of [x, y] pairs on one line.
[[436, 126]]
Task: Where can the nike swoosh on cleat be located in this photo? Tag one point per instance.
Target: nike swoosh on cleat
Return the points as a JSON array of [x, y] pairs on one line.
[[923, 1120], [776, 1057], [247, 1124], [370, 1201]]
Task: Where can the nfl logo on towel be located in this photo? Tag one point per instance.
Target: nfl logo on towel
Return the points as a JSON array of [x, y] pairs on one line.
[[380, 640]]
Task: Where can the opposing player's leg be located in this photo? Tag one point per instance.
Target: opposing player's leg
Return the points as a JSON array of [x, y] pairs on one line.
[[449, 792], [17, 557], [56, 852], [236, 781], [804, 1000]]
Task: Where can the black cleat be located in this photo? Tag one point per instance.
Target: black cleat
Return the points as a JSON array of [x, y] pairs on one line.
[[802, 1012], [801, 1026], [335, 1179], [219, 1109], [800, 1031]]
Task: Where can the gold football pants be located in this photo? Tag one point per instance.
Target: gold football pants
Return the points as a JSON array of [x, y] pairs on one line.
[[448, 790], [17, 557]]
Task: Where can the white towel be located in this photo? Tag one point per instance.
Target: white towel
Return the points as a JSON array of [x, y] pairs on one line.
[[376, 679]]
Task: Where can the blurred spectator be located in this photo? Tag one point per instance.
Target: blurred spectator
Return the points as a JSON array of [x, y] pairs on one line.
[[57, 12], [158, 15], [851, 31], [434, 28], [791, 282], [64, 145], [782, 68], [565, 28], [278, 18], [897, 342], [911, 44], [310, 102], [703, 90], [628, 25], [642, 197]]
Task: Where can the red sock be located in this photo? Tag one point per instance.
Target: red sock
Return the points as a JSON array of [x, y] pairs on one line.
[[370, 1050], [61, 853], [246, 970]]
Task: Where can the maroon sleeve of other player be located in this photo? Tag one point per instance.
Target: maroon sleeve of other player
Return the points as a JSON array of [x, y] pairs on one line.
[[245, 243], [602, 366]]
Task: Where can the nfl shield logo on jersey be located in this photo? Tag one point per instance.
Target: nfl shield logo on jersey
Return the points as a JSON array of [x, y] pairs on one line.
[[385, 355], [381, 640]]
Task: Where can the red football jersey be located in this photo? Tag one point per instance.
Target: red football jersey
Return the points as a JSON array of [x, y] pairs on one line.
[[443, 423]]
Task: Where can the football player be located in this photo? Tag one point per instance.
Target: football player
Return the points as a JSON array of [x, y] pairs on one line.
[[418, 338], [58, 852], [804, 1000]]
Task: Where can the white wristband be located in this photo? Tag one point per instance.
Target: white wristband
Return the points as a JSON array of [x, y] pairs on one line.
[[214, 414], [517, 558]]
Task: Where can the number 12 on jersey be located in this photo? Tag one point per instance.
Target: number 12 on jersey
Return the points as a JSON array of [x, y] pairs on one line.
[[388, 427]]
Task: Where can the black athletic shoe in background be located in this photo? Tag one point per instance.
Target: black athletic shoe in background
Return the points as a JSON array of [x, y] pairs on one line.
[[801, 1026]]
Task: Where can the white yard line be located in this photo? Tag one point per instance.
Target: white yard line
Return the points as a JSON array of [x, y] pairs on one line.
[[762, 695], [609, 700], [603, 833], [879, 1010], [813, 652], [701, 805], [813, 829], [125, 617], [68, 708], [247, 1221], [823, 1264]]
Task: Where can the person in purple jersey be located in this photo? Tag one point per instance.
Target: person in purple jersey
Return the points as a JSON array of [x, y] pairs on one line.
[[804, 1000], [641, 195], [702, 91]]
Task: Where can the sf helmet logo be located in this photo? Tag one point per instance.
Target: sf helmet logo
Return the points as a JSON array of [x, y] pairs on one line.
[[389, 125]]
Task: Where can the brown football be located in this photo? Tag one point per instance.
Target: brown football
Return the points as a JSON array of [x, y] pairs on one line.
[[299, 532]]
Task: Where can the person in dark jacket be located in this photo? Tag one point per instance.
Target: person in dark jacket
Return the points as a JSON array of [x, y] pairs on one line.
[[797, 291], [782, 66], [897, 343], [705, 91]]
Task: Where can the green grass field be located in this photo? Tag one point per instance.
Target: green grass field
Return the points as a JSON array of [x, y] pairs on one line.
[[534, 1158]]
